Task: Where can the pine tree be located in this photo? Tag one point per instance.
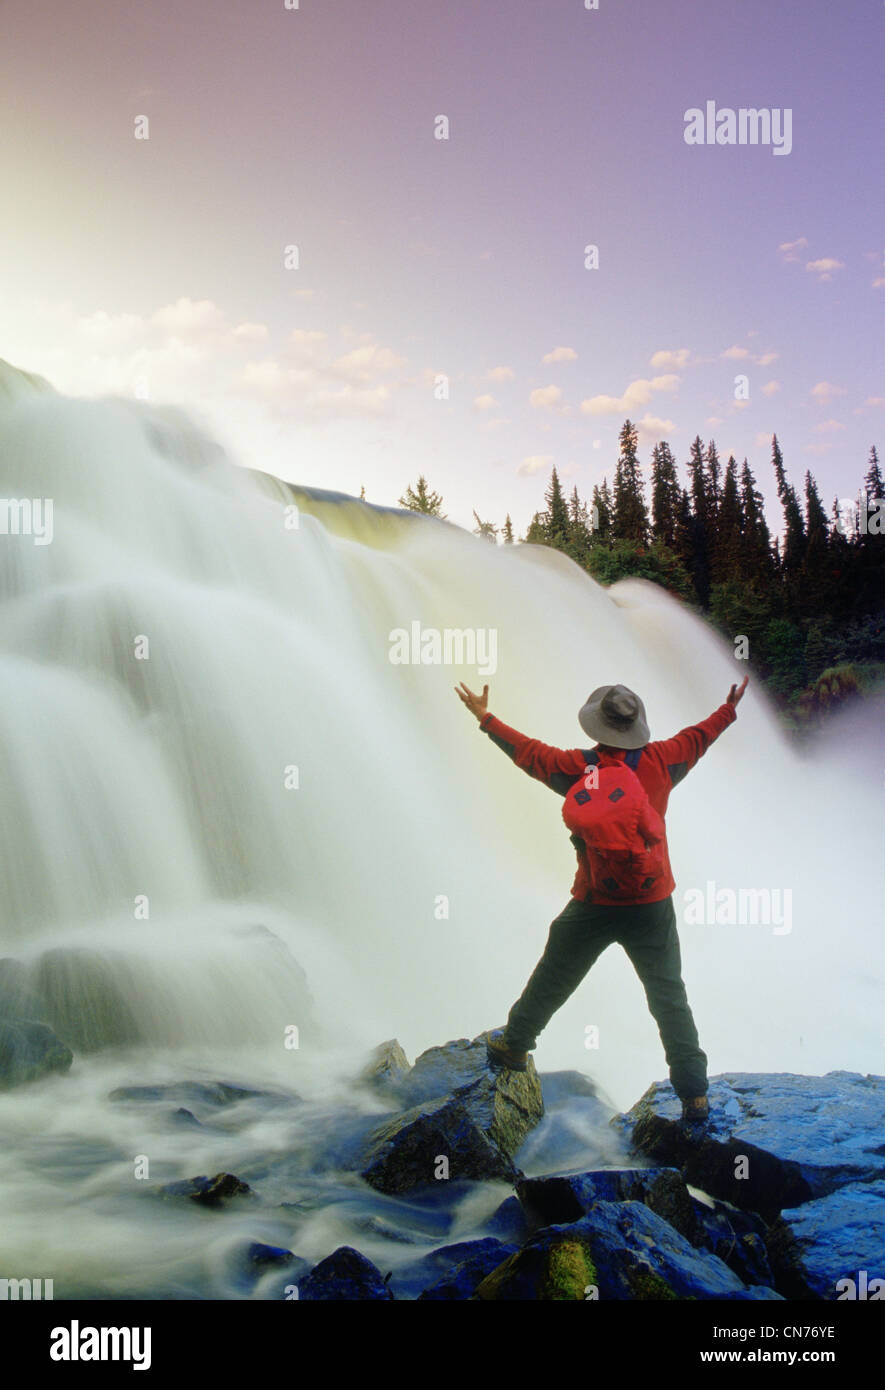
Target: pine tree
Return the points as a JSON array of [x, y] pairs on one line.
[[579, 531], [873, 485], [757, 563], [601, 509], [794, 525], [666, 495], [422, 500], [485, 529], [816, 553], [713, 470], [507, 531], [630, 511], [698, 541], [725, 561], [557, 519]]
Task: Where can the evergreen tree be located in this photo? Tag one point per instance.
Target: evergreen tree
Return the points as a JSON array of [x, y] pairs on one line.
[[485, 529], [507, 531], [816, 554], [666, 495], [713, 470], [698, 539], [725, 561], [602, 507], [421, 499], [873, 485], [630, 511], [579, 530], [757, 565], [557, 518], [794, 526]]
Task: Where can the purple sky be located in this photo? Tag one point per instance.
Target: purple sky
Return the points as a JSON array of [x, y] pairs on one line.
[[156, 266]]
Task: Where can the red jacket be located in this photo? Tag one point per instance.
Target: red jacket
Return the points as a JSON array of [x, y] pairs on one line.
[[659, 766]]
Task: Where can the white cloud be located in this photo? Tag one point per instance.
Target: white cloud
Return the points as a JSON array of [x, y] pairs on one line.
[[545, 396], [825, 391], [560, 354], [671, 357], [766, 359], [638, 393], [737, 354], [879, 283], [828, 427], [484, 402], [789, 249], [652, 427], [762, 440], [771, 388], [824, 267], [500, 374], [534, 463]]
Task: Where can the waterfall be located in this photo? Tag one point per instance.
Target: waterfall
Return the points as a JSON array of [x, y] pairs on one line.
[[227, 813]]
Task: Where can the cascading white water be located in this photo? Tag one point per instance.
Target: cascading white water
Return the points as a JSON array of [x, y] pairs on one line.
[[181, 647]]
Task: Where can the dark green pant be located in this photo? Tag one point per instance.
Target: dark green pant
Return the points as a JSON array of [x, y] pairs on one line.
[[647, 932]]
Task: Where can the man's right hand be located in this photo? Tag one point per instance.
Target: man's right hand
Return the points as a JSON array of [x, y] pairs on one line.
[[477, 704]]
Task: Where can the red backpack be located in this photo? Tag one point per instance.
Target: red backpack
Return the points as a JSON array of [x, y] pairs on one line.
[[612, 819]]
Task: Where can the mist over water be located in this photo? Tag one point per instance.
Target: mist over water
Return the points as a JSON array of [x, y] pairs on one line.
[[169, 781]]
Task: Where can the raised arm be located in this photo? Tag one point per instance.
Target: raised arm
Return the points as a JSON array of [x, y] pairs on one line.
[[680, 753], [557, 768]]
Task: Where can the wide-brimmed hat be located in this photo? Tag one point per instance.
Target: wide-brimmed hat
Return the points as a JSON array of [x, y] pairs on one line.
[[615, 716]]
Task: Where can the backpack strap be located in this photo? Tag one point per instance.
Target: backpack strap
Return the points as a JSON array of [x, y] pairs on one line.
[[631, 760]]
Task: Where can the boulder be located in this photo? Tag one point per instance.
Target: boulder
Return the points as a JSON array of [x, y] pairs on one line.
[[737, 1237], [461, 1110], [207, 1192], [344, 1275], [29, 1051], [816, 1248], [554, 1200], [446, 1266], [619, 1250], [406, 1152], [463, 1279], [801, 1136], [387, 1067]]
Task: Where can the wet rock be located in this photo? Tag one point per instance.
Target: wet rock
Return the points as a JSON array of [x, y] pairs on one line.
[[557, 1199], [259, 1255], [413, 1279], [619, 1250], [29, 1051], [508, 1222], [345, 1274], [207, 1192], [464, 1277], [476, 1122], [737, 1237], [815, 1248], [387, 1067], [436, 1141], [214, 1093], [802, 1136], [86, 996]]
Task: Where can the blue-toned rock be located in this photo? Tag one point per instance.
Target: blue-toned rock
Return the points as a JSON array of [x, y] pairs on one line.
[[29, 1051], [471, 1128], [737, 1237], [559, 1198], [619, 1250], [832, 1247], [344, 1275], [464, 1278], [416, 1277], [775, 1140], [387, 1068], [207, 1192]]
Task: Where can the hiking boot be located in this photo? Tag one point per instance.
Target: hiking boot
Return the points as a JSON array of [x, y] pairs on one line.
[[695, 1111], [501, 1056]]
